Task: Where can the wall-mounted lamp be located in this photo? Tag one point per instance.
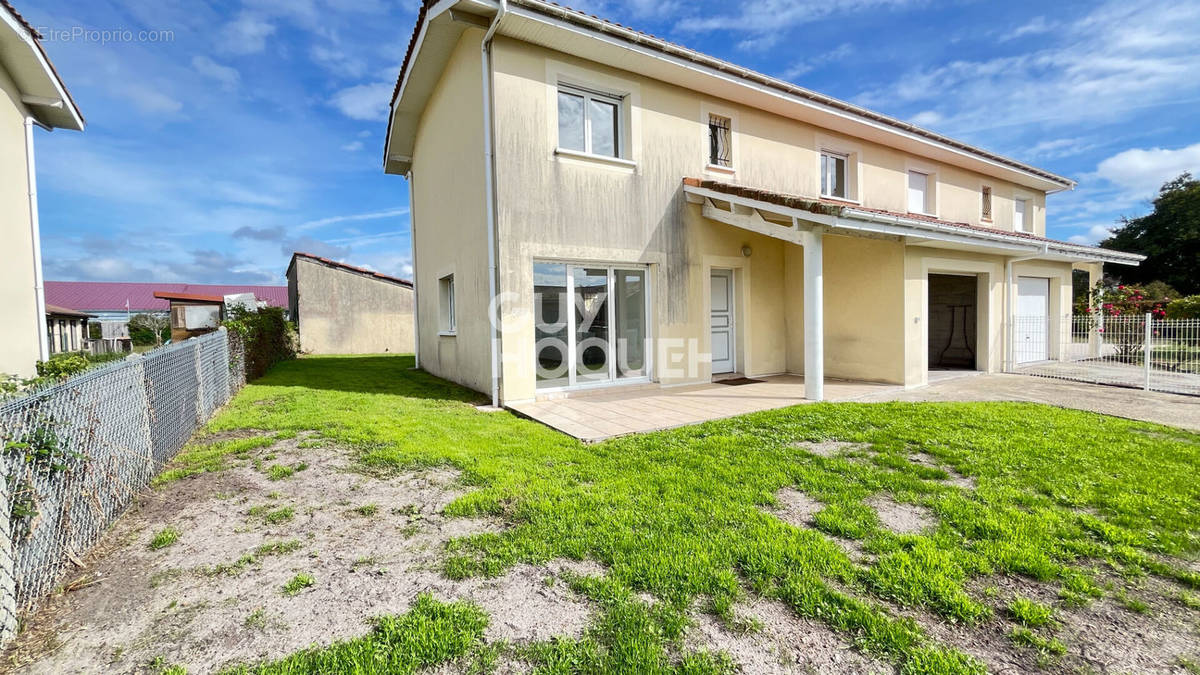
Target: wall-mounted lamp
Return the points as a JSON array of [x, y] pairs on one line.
[[746, 251]]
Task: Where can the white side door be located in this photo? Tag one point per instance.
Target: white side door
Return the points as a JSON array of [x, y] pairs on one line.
[[1032, 320], [721, 320]]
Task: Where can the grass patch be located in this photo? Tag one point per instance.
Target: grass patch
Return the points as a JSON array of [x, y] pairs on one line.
[[298, 583], [429, 634], [1030, 613], [1047, 646], [164, 538], [252, 558], [272, 516], [367, 510], [678, 513], [200, 457], [282, 471]]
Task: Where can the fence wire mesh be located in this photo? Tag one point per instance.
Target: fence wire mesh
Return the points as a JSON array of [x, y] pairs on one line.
[[76, 454], [1140, 351]]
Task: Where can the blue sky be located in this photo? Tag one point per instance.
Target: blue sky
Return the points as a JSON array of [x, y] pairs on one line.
[[255, 127]]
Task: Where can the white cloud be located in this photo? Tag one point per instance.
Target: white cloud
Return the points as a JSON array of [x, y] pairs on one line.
[[927, 118], [364, 101], [1035, 26], [228, 77], [338, 61], [247, 34], [819, 60], [1102, 68], [353, 146], [1140, 173], [767, 19], [1058, 147], [354, 217], [146, 98], [1095, 235]]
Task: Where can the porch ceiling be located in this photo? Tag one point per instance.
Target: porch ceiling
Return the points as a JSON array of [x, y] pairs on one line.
[[789, 217]]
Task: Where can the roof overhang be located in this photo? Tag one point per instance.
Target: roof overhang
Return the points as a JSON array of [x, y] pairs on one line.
[[42, 90], [790, 222], [571, 32]]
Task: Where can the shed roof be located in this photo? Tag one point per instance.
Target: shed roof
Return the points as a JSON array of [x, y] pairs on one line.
[[55, 310], [348, 268]]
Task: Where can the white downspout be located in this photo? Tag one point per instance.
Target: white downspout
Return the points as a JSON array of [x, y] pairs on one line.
[[489, 189], [1008, 305], [412, 243], [39, 291]]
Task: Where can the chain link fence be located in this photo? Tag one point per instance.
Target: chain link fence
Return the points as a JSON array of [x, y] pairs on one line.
[[76, 454], [1138, 351]]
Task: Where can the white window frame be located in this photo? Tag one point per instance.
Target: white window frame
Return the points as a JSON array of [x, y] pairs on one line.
[[845, 178], [447, 316], [928, 197], [589, 95], [1027, 223], [932, 191], [852, 153]]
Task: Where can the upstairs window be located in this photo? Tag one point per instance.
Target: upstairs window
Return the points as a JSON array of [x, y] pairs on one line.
[[1022, 219], [920, 198], [833, 175], [720, 141], [589, 122], [985, 201], [446, 320]]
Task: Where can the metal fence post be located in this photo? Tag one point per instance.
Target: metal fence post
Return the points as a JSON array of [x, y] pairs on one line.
[[1149, 347], [8, 585]]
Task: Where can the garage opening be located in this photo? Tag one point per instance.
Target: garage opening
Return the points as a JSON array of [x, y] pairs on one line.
[[953, 321]]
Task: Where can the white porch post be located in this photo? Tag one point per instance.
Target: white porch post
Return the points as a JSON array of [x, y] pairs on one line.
[[814, 316]]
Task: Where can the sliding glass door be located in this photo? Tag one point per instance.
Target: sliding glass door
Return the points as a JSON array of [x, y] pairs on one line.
[[591, 324]]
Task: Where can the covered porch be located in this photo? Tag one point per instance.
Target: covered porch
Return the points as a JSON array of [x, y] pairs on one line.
[[618, 411]]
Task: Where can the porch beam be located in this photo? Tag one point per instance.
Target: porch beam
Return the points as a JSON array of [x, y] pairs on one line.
[[814, 314], [752, 221]]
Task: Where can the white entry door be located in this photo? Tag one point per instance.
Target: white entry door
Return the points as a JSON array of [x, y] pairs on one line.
[[1032, 320], [721, 321]]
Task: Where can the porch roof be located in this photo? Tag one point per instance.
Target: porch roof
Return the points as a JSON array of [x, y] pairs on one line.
[[749, 205]]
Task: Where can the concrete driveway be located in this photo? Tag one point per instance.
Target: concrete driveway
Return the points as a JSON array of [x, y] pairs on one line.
[[1171, 409]]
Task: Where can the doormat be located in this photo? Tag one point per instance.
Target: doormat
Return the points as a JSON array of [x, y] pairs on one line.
[[737, 381]]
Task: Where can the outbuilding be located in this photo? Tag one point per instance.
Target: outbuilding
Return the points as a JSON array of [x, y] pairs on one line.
[[343, 309]]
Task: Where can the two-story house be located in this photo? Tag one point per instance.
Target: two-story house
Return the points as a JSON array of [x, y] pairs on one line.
[[593, 206], [31, 95]]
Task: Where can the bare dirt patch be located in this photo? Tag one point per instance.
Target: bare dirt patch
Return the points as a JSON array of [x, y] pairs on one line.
[[785, 644], [215, 598], [953, 477], [795, 507], [828, 448], [900, 517]]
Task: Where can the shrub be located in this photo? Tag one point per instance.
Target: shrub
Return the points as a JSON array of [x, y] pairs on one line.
[[267, 338], [62, 366], [1184, 308]]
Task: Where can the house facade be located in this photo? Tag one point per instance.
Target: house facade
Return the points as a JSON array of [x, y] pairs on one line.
[[343, 309], [31, 95], [66, 330], [594, 207]]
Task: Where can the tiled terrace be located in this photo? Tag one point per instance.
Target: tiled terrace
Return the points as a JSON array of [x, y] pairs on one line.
[[595, 416]]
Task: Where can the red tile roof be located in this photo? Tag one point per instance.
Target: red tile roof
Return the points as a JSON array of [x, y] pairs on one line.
[[349, 268], [112, 296], [834, 207]]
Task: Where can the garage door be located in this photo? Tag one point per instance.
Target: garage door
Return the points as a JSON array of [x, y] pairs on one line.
[[1032, 320]]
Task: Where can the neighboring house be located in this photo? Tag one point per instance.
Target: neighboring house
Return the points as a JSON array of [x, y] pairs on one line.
[[66, 329], [31, 94], [193, 314], [117, 301], [642, 212], [342, 309]]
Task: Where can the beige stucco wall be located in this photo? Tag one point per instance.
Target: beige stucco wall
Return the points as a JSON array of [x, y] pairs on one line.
[[343, 312], [449, 235], [19, 331]]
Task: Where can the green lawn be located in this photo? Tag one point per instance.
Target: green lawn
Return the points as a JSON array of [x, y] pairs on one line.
[[1061, 496]]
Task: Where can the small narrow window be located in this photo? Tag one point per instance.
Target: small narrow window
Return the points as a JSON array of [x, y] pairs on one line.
[[833, 175], [720, 141], [918, 192], [446, 304], [1021, 216], [985, 202], [62, 334], [589, 122]]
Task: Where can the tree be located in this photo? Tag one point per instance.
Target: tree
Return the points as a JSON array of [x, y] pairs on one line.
[[1169, 237], [149, 329]]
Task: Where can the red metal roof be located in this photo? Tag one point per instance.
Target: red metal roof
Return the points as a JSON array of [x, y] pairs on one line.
[[112, 296], [197, 297]]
